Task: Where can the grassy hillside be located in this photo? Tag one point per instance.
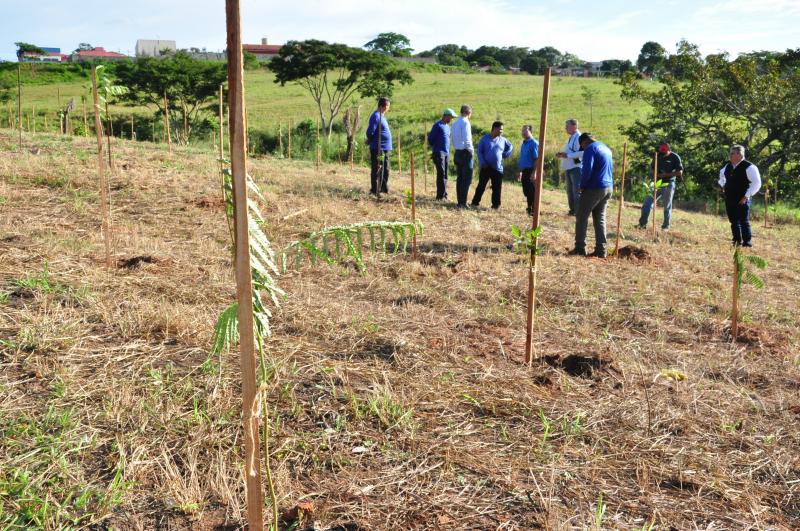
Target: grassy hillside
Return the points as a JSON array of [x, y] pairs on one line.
[[513, 99], [399, 398]]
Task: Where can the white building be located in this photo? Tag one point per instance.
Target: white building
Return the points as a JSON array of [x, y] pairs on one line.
[[153, 48]]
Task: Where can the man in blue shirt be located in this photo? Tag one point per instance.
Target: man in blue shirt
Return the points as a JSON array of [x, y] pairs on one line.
[[492, 149], [528, 153], [439, 140], [571, 157], [379, 139], [596, 186]]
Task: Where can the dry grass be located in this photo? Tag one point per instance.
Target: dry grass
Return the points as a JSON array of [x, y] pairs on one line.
[[399, 398]]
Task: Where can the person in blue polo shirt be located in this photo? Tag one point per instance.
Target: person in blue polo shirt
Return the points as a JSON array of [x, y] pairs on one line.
[[492, 149], [439, 140], [528, 153], [596, 186], [379, 139]]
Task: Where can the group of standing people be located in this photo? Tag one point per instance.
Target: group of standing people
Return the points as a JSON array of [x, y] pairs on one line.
[[587, 163]]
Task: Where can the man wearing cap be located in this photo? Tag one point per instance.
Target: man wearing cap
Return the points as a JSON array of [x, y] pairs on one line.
[[740, 180], [571, 163], [596, 186], [379, 139], [669, 168], [439, 140], [464, 154], [492, 149]]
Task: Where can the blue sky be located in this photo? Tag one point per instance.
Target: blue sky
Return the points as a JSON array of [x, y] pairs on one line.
[[604, 29]]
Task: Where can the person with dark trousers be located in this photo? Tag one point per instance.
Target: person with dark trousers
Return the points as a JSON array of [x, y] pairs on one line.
[[439, 140], [740, 180], [464, 155], [492, 149], [669, 168], [379, 139], [596, 186], [528, 153]]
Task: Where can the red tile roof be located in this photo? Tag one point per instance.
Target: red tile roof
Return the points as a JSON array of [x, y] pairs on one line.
[[98, 52]]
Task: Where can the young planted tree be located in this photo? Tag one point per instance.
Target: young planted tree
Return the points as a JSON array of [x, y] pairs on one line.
[[334, 73], [107, 89], [742, 273], [352, 124], [588, 98]]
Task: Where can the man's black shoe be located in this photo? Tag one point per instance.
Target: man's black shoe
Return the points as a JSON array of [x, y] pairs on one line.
[[576, 252], [747, 244], [598, 255]]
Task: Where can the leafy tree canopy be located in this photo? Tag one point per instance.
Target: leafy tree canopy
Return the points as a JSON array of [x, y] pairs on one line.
[[335, 73], [394, 44], [189, 83], [752, 100], [24, 47], [84, 47], [652, 59]]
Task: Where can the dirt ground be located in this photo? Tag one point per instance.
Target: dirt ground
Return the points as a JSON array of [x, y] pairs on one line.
[[399, 399]]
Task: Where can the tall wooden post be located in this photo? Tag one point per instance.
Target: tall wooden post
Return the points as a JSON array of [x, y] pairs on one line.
[[280, 138], [108, 137], [535, 220], [244, 286], [621, 197], [166, 122], [133, 129], [185, 124], [766, 206], [413, 207], [105, 210], [289, 141], [655, 190]]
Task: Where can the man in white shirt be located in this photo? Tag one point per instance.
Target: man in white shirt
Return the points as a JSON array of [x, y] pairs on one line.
[[571, 163], [464, 154], [740, 180]]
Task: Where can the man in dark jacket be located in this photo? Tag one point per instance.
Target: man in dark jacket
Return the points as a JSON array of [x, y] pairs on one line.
[[740, 180], [439, 140]]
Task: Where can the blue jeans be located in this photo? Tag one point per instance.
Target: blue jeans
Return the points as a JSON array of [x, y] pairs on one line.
[[739, 216], [666, 194], [573, 185]]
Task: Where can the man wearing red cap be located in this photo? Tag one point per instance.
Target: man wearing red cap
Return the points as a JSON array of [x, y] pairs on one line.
[[670, 167]]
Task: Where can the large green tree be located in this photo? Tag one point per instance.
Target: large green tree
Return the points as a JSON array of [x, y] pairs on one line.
[[389, 43], [752, 100], [189, 83], [335, 73], [652, 59]]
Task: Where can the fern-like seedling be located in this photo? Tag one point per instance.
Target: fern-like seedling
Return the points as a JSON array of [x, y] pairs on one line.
[[349, 241], [745, 274]]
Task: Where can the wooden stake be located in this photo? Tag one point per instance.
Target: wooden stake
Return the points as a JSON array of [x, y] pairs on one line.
[[45, 122], [85, 120], [108, 137], [399, 155], [166, 122], [33, 119], [105, 210], [413, 207], [133, 130], [19, 105], [655, 177], [185, 125], [244, 287], [535, 220], [221, 126], [735, 301], [766, 206], [621, 196], [425, 156], [319, 147], [289, 146], [280, 138]]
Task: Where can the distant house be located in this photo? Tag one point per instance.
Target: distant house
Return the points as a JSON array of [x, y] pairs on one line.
[[52, 55], [153, 48], [96, 54], [263, 51]]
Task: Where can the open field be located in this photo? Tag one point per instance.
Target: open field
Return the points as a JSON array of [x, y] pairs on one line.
[[399, 399], [515, 99]]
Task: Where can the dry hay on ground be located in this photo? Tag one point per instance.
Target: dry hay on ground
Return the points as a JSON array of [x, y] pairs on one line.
[[399, 398]]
